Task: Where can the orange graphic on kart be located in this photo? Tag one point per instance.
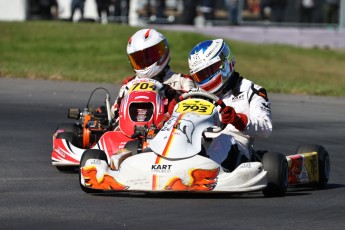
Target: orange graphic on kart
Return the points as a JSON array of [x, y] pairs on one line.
[[107, 182], [201, 180]]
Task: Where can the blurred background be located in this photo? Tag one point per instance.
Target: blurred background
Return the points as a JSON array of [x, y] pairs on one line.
[[301, 13]]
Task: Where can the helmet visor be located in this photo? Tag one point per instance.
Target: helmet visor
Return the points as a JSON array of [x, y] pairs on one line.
[[145, 58], [202, 75]]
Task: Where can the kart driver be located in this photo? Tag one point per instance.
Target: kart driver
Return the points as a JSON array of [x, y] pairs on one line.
[[247, 114], [149, 55]]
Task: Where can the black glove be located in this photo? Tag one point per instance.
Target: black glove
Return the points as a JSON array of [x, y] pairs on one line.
[[170, 93]]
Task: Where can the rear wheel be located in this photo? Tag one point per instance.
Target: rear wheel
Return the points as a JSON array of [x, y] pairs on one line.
[[323, 161], [277, 174], [91, 154]]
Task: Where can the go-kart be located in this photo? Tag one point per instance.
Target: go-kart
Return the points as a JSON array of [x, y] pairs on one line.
[[141, 110], [174, 160]]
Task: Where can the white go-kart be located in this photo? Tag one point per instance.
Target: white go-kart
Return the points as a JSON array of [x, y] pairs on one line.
[[174, 161]]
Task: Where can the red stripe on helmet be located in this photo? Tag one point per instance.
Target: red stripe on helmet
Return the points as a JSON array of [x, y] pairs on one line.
[[212, 84], [147, 34]]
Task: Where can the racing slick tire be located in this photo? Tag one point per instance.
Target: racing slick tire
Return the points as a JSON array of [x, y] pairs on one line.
[[276, 166], [74, 132], [134, 146], [323, 161], [91, 154], [66, 127], [65, 135]]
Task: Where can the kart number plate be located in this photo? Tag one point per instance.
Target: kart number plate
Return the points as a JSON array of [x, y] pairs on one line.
[[143, 86], [198, 106]]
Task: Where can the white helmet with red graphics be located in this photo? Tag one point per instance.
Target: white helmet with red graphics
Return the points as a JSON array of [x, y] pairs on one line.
[[148, 53], [211, 65]]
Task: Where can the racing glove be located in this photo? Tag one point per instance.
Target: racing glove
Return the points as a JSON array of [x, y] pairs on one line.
[[238, 120], [170, 93]]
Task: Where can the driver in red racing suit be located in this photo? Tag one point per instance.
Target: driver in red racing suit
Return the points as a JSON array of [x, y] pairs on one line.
[[149, 55], [247, 112]]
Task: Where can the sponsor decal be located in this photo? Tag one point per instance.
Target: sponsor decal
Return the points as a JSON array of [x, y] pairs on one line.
[[185, 127], [169, 124], [265, 106], [139, 181], [196, 106], [246, 165], [60, 152], [303, 168], [95, 161], [312, 166], [143, 86], [239, 97], [158, 168], [295, 168], [200, 180], [215, 46]]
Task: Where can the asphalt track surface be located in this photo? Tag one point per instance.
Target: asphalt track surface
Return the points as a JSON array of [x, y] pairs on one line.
[[34, 195]]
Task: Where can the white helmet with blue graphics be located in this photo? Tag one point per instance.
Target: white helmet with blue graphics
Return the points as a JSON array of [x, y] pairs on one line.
[[211, 65]]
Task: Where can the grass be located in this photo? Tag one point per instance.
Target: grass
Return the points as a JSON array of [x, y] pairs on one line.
[[92, 52]]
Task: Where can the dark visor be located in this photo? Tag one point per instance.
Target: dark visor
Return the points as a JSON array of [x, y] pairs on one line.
[[145, 58], [207, 72]]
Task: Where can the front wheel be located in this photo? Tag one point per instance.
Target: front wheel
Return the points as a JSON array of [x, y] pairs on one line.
[[277, 174], [69, 137], [70, 132], [323, 161], [67, 168], [91, 154], [134, 146]]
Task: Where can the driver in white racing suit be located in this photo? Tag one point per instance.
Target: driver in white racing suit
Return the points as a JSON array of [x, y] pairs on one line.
[[149, 55], [247, 113]]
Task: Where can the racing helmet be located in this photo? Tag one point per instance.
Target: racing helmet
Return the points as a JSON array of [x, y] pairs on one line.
[[211, 65], [141, 106], [148, 53]]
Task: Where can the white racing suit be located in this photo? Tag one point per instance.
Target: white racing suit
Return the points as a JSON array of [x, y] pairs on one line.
[[249, 99], [179, 82]]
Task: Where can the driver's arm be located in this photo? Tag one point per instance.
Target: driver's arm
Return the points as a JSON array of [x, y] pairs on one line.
[[259, 117]]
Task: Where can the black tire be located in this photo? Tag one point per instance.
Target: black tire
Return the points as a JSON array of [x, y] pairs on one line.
[[323, 161], [91, 154], [65, 135], [277, 174], [134, 146], [72, 131], [70, 127], [67, 168], [67, 127], [69, 137]]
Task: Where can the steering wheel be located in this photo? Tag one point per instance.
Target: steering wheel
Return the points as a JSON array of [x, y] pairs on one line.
[[216, 101]]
